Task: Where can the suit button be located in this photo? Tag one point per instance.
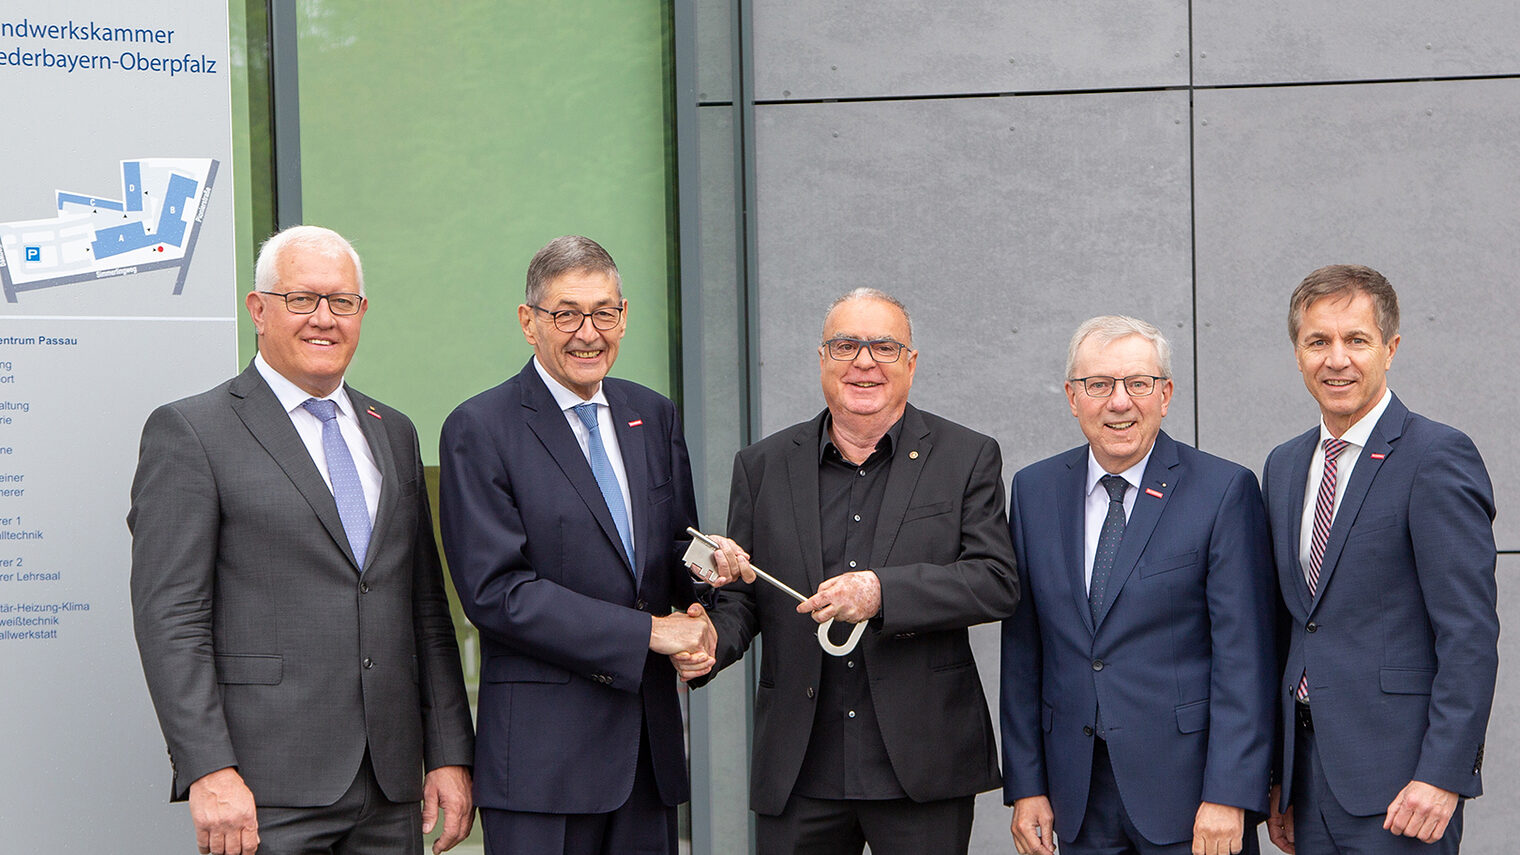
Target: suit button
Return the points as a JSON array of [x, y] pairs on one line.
[[641, 605], [1097, 664], [368, 663], [364, 587], [1312, 627], [1086, 731], [809, 691]]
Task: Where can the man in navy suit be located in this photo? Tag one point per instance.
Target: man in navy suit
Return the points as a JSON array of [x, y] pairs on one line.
[[1382, 528], [1137, 671], [564, 501]]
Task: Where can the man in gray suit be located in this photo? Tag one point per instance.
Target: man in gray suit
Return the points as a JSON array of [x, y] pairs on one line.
[[287, 595]]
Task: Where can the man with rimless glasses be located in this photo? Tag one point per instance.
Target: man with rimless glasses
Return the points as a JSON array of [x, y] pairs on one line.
[[893, 516], [1137, 672], [287, 595]]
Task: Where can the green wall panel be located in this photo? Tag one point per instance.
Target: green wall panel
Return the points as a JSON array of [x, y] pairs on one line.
[[450, 141]]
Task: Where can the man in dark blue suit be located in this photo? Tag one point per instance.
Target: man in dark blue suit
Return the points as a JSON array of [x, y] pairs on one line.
[[1137, 671], [564, 501], [1382, 528]]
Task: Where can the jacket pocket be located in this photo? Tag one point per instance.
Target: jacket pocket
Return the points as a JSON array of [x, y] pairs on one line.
[[1193, 717], [929, 510], [1174, 562], [250, 669], [1406, 681], [516, 669]]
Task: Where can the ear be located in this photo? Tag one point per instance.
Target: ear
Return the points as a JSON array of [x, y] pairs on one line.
[[1393, 347], [525, 320], [255, 304], [1166, 395], [1071, 398]]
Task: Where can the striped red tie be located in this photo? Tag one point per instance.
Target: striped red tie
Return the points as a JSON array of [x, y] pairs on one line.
[[1324, 514]]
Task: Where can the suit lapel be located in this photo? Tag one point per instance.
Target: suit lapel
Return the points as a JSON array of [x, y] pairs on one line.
[[1380, 442], [380, 448], [902, 479], [1298, 456], [1071, 515], [802, 477], [260, 411], [629, 427], [1162, 473], [548, 423]]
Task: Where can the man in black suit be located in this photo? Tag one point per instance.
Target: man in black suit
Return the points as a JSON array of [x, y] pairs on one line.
[[286, 591], [565, 498], [893, 516]]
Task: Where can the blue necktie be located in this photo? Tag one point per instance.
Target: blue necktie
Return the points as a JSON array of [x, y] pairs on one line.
[[1108, 543], [345, 478], [606, 479]]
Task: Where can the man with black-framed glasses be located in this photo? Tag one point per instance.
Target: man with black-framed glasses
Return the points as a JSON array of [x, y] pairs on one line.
[[287, 595], [1137, 672], [891, 516]]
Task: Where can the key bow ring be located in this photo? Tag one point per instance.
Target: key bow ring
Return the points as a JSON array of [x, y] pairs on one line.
[[700, 555]]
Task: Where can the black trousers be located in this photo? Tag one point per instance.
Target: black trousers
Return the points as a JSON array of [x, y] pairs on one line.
[[844, 826]]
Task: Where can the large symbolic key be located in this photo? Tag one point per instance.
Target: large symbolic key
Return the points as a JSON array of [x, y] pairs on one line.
[[700, 555]]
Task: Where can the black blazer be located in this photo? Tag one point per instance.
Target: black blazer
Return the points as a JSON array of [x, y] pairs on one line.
[[945, 562]]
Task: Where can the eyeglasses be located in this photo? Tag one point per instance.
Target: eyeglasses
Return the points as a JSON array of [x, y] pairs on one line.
[[305, 302], [1135, 385], [569, 320], [846, 349]]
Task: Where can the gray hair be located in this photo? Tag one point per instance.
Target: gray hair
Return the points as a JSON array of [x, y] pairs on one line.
[[1334, 280], [324, 242], [864, 293], [1110, 328], [568, 254]]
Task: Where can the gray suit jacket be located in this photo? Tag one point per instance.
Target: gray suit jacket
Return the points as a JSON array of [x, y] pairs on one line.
[[263, 645]]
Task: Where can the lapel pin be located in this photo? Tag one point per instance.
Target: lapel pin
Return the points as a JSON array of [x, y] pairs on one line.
[[912, 455], [1377, 456], [372, 412], [635, 422], [1156, 493]]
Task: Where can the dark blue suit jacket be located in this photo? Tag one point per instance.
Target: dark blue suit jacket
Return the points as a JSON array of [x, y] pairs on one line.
[[1181, 658], [567, 678], [1401, 639]]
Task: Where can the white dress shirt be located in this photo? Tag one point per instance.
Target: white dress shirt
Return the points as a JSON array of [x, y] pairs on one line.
[[567, 401], [310, 429], [1096, 509], [1356, 439]]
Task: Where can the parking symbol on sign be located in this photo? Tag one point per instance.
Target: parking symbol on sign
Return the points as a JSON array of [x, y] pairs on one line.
[[34, 253]]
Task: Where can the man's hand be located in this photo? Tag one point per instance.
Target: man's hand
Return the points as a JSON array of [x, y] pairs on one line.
[[1033, 826], [1218, 829], [691, 664], [447, 788], [851, 597], [1280, 825], [731, 562], [226, 822], [1421, 810], [682, 632]]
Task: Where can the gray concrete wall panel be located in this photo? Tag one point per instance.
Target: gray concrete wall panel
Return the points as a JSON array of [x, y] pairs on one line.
[[1244, 41], [1492, 825], [1418, 180], [1001, 222], [715, 50], [866, 48]]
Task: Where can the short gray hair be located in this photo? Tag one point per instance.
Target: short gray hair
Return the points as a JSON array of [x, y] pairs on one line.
[[1110, 328], [324, 242], [864, 293], [568, 254]]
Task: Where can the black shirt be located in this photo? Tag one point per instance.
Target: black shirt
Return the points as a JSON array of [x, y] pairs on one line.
[[846, 757]]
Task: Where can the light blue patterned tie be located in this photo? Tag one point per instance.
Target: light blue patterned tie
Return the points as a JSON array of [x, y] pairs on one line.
[[606, 479], [345, 478]]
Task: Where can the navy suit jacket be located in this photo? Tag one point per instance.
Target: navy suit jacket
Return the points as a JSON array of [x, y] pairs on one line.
[[1181, 659], [1401, 639], [567, 678]]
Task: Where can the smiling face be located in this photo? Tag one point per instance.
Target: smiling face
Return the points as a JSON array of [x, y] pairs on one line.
[[863, 390], [1120, 429], [1343, 358], [578, 360], [311, 351]]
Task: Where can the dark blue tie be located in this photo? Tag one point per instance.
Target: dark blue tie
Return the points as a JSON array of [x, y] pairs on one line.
[[606, 479], [347, 491], [1108, 543]]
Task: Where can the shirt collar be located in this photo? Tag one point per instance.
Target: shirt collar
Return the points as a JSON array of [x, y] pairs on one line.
[[886, 444], [1359, 433], [291, 396], [1132, 475], [565, 398]]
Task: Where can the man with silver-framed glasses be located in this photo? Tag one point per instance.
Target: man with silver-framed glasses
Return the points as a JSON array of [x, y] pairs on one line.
[[1138, 669], [892, 516]]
